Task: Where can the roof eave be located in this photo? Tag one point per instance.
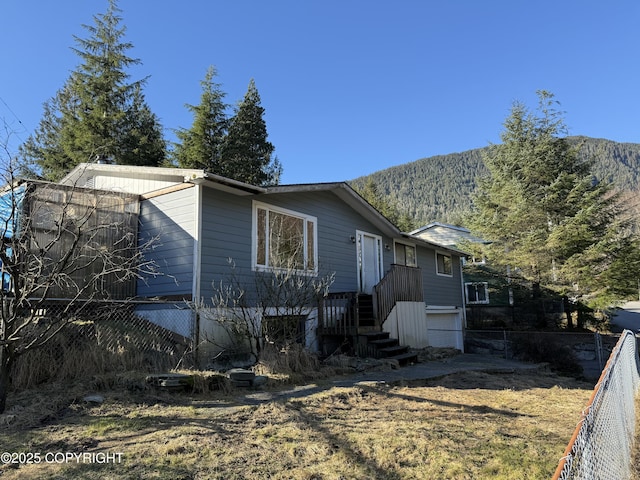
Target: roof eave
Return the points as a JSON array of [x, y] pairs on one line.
[[228, 184], [436, 246], [348, 195]]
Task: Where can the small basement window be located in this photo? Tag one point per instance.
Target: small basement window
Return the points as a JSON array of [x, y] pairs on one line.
[[284, 330]]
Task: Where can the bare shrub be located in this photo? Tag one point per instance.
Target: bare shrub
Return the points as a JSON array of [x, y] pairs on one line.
[[290, 360], [61, 242], [265, 315]]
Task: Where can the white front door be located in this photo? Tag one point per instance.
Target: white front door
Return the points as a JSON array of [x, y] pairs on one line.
[[369, 260]]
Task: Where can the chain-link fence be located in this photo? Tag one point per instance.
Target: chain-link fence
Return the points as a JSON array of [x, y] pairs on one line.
[[104, 337], [521, 315], [573, 353], [600, 448]]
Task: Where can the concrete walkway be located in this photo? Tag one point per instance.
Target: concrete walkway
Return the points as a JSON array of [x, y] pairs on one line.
[[419, 371]]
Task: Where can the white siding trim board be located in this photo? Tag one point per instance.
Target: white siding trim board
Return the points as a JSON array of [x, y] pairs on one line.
[[197, 243]]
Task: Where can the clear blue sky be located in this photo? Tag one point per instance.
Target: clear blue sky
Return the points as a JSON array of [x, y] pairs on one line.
[[349, 86]]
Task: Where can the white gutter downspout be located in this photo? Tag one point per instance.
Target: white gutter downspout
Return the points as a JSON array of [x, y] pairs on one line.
[[464, 296]]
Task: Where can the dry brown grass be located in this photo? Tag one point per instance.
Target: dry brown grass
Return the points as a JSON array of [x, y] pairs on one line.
[[635, 453], [464, 426], [74, 353]]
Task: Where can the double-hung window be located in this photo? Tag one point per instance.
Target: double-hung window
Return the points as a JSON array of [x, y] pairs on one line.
[[284, 239], [405, 254], [443, 264], [477, 292]]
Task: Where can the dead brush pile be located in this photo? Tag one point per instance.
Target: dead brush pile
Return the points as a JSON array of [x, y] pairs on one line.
[[292, 364]]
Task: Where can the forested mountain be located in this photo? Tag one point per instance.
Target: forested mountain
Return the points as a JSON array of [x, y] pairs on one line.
[[439, 188]]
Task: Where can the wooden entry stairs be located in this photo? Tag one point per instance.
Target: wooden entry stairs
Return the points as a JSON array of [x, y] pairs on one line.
[[352, 316], [381, 345], [377, 343]]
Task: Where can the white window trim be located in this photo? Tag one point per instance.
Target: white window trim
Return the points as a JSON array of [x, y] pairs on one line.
[[292, 213], [406, 244], [486, 293], [438, 252], [472, 261]]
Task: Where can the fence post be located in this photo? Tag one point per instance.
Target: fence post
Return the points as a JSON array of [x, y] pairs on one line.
[[599, 352], [506, 348]]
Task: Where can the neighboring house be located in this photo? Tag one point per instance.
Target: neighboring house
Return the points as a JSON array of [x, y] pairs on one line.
[[483, 285], [382, 279]]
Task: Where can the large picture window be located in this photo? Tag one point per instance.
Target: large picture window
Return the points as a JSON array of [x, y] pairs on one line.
[[284, 239]]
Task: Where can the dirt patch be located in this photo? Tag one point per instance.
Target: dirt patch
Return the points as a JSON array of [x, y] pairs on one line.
[[349, 364]]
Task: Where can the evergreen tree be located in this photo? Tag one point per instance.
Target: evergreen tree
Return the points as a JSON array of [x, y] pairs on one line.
[[542, 209], [201, 145], [98, 113], [142, 142], [371, 193], [246, 151], [42, 154]]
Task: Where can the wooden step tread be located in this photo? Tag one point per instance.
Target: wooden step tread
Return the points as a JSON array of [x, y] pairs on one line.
[[384, 342], [396, 349], [375, 335], [405, 358]]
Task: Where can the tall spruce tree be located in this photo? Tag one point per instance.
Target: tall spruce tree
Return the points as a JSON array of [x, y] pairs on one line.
[[547, 216], [246, 152], [142, 142], [43, 154], [201, 145], [98, 113]]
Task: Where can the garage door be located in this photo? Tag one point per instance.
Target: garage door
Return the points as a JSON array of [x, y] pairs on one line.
[[444, 329]]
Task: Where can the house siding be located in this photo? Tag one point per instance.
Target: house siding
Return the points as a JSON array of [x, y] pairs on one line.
[[133, 183], [170, 218], [337, 222], [225, 241], [226, 234], [440, 289]]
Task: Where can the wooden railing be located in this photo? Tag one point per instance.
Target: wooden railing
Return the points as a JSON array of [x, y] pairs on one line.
[[400, 284], [337, 314]]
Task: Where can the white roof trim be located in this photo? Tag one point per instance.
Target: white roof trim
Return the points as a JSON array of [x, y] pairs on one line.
[[431, 225], [435, 246], [85, 169]]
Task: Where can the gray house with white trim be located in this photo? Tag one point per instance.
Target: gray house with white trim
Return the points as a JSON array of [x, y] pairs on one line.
[[204, 225], [484, 285]]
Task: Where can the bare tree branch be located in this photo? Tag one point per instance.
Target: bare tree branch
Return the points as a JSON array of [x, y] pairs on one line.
[[65, 243]]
